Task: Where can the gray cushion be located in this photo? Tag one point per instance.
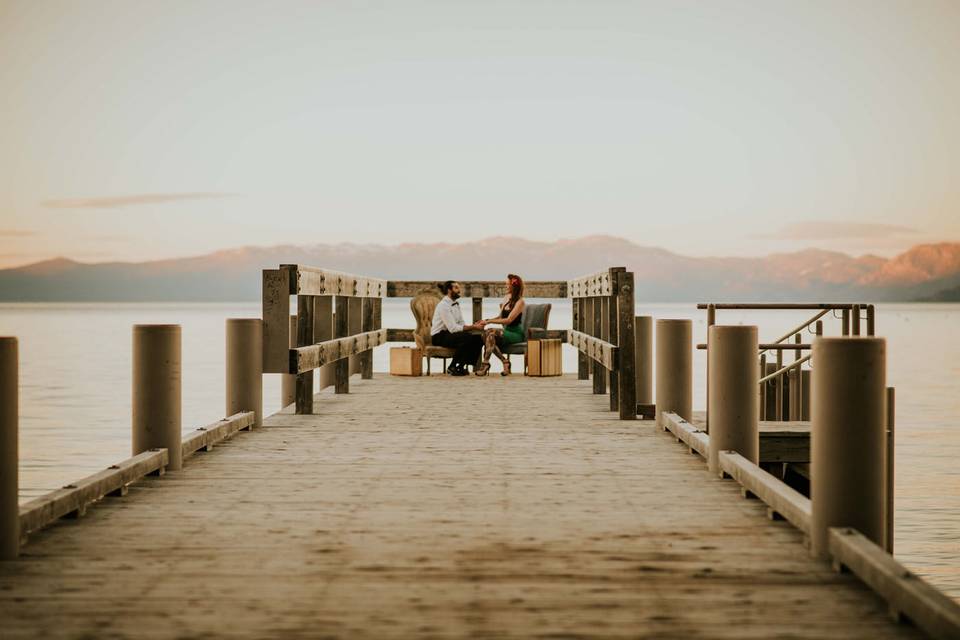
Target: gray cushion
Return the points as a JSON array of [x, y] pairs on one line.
[[535, 315]]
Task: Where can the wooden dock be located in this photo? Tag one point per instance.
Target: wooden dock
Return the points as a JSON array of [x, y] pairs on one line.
[[436, 507]]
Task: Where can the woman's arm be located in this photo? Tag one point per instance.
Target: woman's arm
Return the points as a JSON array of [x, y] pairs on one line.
[[497, 319]]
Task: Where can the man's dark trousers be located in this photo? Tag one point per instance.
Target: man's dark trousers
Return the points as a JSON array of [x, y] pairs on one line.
[[468, 346]]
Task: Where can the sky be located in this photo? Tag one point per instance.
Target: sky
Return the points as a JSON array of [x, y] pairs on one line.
[[136, 130]]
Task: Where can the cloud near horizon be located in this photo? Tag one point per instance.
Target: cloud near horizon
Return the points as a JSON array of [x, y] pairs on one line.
[[110, 202], [829, 230]]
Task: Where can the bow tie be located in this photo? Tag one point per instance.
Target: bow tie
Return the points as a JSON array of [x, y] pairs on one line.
[[455, 304]]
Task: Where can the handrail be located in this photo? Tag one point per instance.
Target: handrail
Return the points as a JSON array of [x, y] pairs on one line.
[[801, 327], [759, 306], [479, 288], [792, 365]]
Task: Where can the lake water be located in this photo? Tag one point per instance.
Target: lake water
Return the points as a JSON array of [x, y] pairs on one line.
[[75, 374]]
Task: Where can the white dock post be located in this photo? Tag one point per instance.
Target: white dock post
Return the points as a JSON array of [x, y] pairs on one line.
[[157, 390], [732, 399], [9, 456], [245, 367], [848, 438], [674, 371]]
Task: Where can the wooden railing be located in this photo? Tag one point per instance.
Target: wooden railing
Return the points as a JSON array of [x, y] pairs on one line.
[[338, 317], [784, 387], [603, 333]]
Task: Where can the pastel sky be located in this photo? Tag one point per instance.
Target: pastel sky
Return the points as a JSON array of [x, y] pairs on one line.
[[134, 129]]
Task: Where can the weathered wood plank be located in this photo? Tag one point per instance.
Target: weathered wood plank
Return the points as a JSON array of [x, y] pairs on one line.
[[907, 594], [480, 288], [399, 335], [330, 351], [75, 497], [206, 437], [316, 281], [275, 296], [598, 350], [787, 502], [303, 395], [341, 370], [690, 435]]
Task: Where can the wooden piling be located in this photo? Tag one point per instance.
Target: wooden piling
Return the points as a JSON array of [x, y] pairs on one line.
[[156, 419], [674, 368], [848, 434], [9, 449], [643, 337], [733, 399], [244, 348], [477, 309]]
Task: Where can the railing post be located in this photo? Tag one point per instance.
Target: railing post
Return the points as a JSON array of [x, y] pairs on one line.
[[356, 326], [323, 323], [626, 343], [366, 358], [732, 401], [796, 386], [596, 330], [889, 484], [871, 319], [477, 309], [711, 320], [848, 438], [855, 317], [245, 367], [580, 324], [763, 387], [845, 323], [778, 389], [613, 327], [674, 369], [288, 381], [341, 373], [643, 337], [156, 422], [304, 383], [9, 454]]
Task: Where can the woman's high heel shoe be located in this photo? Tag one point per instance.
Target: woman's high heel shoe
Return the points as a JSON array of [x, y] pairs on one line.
[[483, 369], [506, 367]]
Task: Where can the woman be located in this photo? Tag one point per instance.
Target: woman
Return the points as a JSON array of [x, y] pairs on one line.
[[510, 318]]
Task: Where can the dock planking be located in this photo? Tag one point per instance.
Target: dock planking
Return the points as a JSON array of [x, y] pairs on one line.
[[436, 507]]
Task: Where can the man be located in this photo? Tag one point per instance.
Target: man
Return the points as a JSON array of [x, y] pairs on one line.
[[449, 330]]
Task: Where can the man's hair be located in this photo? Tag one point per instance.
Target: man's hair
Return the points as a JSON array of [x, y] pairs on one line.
[[445, 286]]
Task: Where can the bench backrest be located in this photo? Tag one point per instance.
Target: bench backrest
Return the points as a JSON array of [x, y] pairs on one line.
[[535, 316], [423, 305]]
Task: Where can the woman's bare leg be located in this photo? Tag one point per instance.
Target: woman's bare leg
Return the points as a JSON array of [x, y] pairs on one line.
[[490, 345]]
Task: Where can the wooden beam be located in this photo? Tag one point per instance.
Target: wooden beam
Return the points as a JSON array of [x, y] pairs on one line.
[[341, 372], [480, 288], [316, 355], [907, 594], [685, 432], [598, 350], [399, 335], [75, 497], [275, 296], [205, 437], [776, 494], [367, 324], [315, 281]]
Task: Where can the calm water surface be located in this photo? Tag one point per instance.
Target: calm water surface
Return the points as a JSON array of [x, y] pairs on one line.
[[75, 396]]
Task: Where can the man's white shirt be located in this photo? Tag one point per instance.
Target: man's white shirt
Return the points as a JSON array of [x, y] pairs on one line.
[[447, 316]]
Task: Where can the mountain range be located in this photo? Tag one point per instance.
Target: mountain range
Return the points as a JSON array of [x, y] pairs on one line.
[[929, 271]]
